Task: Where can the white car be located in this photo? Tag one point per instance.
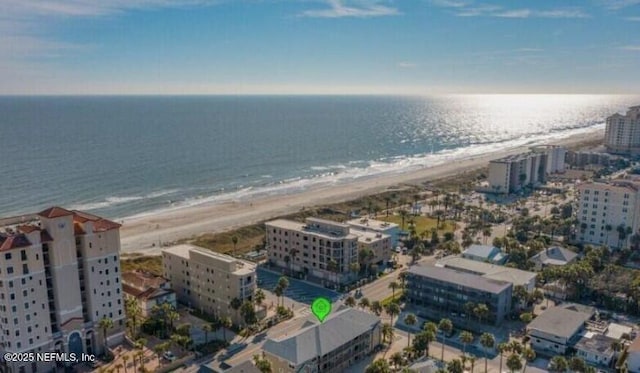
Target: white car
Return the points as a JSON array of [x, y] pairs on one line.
[[169, 356]]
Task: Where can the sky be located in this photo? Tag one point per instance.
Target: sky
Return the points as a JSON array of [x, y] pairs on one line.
[[319, 46]]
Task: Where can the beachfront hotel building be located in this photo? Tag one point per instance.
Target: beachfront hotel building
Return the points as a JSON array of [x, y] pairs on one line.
[[622, 134], [59, 276], [435, 289], [608, 212], [346, 337], [378, 226], [310, 247], [555, 160], [511, 174], [209, 281]]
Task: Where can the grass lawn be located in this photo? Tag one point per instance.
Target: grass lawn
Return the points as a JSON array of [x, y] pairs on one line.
[[423, 223]]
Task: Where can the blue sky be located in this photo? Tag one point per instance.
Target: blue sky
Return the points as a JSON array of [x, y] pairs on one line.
[[319, 46]]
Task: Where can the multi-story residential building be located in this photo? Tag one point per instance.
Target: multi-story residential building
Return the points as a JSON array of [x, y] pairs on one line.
[[378, 226], [512, 173], [581, 159], [148, 290], [59, 276], [558, 328], [448, 290], [622, 134], [515, 276], [320, 248], [608, 212], [379, 244], [209, 281], [346, 337], [555, 162]]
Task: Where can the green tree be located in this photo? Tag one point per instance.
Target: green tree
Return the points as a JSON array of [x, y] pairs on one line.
[[259, 297], [393, 286], [502, 348], [558, 364], [529, 355], [207, 328], [387, 332], [410, 319], [248, 312], [514, 363], [481, 311], [466, 338], [392, 310], [455, 366], [105, 324], [445, 327], [526, 317], [488, 341], [396, 359], [376, 307], [262, 364], [350, 301], [378, 366], [225, 323], [236, 303], [234, 240], [364, 303]]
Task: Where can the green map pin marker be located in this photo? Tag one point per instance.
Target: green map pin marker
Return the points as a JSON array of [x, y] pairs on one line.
[[321, 307]]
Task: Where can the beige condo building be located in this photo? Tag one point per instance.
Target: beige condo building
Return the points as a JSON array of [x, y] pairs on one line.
[[310, 247], [511, 174], [622, 134], [209, 281], [59, 276], [604, 208]]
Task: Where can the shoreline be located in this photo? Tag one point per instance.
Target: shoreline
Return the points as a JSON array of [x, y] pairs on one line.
[[146, 234]]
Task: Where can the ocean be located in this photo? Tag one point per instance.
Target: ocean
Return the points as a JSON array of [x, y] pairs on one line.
[[120, 156]]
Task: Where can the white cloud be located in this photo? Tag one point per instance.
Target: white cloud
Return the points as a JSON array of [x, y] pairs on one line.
[[406, 65], [357, 9], [469, 9], [634, 48], [633, 19], [618, 4]]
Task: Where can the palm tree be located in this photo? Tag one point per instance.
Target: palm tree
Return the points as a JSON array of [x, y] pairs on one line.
[[410, 320], [234, 240], [514, 363], [172, 316], [472, 359], [125, 359], [105, 324], [236, 303], [455, 366], [558, 364], [529, 355], [259, 297], [332, 266], [403, 215], [206, 328], [364, 303], [133, 312], [392, 310], [378, 366], [225, 323], [445, 326], [466, 338], [159, 350], [487, 340], [393, 286], [397, 359], [376, 307], [502, 348], [387, 332], [350, 301], [486, 233]]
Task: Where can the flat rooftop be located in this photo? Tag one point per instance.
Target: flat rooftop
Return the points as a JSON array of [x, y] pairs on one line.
[[369, 236], [303, 227], [559, 321], [372, 224], [184, 251], [465, 279], [488, 270]]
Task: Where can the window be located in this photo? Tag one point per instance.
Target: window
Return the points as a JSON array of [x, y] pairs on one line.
[[7, 256], [23, 255]]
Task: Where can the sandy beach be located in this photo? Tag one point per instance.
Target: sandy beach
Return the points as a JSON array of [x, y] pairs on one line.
[[145, 234]]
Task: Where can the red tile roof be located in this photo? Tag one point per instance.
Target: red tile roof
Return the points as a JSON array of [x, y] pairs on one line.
[[143, 280], [54, 212], [77, 229], [8, 242], [27, 228], [99, 224]]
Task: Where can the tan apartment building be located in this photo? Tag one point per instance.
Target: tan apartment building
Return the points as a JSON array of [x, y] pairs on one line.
[[622, 134], [310, 247], [346, 337], [59, 276], [148, 290], [209, 281], [378, 226], [378, 243], [603, 208]]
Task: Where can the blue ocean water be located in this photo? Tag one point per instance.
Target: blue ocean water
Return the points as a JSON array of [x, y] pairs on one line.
[[125, 155]]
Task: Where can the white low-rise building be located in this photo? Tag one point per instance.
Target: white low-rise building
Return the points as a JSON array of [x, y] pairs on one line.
[[378, 226]]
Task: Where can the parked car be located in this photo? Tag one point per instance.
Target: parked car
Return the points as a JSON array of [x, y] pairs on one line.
[[168, 355]]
